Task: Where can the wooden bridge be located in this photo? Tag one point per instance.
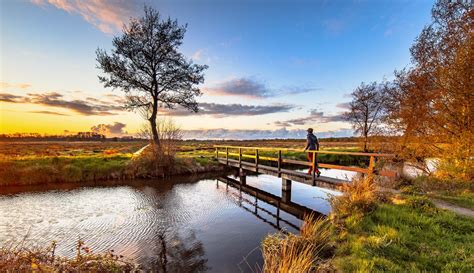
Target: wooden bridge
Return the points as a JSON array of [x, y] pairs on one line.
[[272, 161]]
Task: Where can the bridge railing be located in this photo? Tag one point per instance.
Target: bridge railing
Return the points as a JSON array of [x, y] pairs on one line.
[[238, 151]]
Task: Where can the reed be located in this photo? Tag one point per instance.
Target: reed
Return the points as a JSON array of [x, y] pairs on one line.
[[305, 252]]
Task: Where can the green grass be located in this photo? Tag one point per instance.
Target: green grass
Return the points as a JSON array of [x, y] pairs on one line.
[[456, 192], [39, 170], [410, 237]]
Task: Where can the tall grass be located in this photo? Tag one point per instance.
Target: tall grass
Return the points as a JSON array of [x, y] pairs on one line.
[[358, 198], [306, 252]]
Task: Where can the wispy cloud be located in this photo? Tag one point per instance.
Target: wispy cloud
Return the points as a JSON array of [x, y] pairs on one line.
[[224, 110], [90, 107], [282, 133], [107, 15], [314, 116], [334, 25], [344, 105], [48, 113], [5, 85], [253, 88], [197, 55]]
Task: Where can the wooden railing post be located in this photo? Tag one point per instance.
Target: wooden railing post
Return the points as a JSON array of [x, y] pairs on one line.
[[371, 165], [256, 160], [240, 157], [217, 153], [227, 155], [279, 163]]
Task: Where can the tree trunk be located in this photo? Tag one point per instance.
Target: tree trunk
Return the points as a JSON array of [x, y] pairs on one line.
[[152, 119], [366, 139]]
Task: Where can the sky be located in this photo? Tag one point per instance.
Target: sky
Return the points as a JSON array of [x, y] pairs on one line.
[[275, 67]]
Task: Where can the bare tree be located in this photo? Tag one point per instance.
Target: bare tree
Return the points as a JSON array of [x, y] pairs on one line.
[[366, 110], [146, 65]]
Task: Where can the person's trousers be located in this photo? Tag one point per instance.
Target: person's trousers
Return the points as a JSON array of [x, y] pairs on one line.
[[310, 159]]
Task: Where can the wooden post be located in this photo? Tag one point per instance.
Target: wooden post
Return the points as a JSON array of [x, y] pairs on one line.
[[279, 163], [278, 213], [285, 184], [256, 202], [371, 165], [256, 160], [217, 153], [286, 190], [242, 176], [240, 157], [227, 155], [313, 173]]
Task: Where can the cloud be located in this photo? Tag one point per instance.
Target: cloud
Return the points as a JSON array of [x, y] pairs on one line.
[[334, 26], [282, 133], [90, 107], [48, 113], [314, 117], [110, 129], [5, 85], [106, 15], [5, 97], [197, 55], [252, 88], [344, 105], [223, 110]]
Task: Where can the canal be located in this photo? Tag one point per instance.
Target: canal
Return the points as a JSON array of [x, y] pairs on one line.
[[194, 224]]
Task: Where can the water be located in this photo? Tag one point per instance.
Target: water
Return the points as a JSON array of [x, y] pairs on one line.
[[197, 224]]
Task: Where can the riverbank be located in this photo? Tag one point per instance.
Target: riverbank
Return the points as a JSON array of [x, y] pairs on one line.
[[35, 163], [368, 231], [36, 170]]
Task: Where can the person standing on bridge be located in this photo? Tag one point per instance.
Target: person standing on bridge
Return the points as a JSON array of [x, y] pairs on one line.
[[312, 144]]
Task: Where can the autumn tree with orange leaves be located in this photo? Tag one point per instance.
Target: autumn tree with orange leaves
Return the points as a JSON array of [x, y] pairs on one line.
[[431, 103]]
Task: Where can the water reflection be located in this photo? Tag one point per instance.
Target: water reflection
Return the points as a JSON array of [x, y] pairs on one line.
[[194, 224], [255, 198], [175, 254]]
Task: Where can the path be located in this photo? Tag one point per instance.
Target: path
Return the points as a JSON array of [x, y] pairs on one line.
[[456, 209]]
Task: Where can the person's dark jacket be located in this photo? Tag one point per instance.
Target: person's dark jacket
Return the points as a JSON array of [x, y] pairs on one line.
[[312, 143]]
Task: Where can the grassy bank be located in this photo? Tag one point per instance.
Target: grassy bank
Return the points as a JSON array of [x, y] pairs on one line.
[[406, 237], [459, 193], [86, 167], [373, 232], [30, 163]]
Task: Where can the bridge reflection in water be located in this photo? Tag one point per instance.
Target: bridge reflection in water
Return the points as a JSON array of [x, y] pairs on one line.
[[247, 195]]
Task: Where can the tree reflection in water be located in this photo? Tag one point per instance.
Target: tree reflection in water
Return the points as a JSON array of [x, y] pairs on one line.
[[175, 254]]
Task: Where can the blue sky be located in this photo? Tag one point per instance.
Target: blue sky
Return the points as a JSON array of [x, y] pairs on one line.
[[275, 67]]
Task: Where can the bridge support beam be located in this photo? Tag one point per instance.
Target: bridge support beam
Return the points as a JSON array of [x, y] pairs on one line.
[[286, 196], [285, 184], [285, 190], [242, 176]]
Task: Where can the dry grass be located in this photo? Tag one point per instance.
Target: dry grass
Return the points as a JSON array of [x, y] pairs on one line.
[[306, 252], [21, 259], [358, 198]]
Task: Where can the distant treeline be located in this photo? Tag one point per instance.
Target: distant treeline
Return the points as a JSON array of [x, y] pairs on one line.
[[91, 136], [80, 136]]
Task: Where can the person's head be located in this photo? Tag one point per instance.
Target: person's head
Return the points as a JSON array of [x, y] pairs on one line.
[[310, 130]]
